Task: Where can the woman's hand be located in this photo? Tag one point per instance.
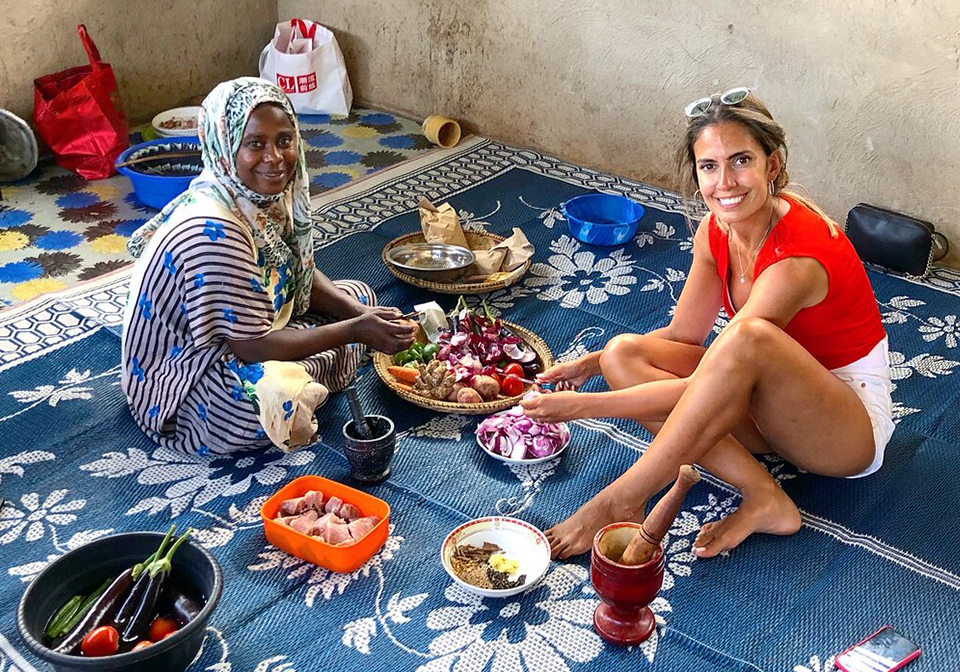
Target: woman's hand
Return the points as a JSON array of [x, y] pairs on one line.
[[556, 406], [572, 375], [381, 328]]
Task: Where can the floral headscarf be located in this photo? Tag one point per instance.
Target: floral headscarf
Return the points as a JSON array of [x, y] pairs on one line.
[[281, 224]]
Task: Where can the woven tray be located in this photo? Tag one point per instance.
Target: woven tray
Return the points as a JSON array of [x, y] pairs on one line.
[[544, 358], [477, 241]]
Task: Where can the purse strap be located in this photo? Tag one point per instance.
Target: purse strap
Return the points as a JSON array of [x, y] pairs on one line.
[[92, 53]]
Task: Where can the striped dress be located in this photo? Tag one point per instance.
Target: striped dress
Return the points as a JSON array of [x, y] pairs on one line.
[[197, 284]]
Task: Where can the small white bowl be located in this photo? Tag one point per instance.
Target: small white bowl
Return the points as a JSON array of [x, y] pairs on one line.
[[532, 460], [517, 540], [181, 112]]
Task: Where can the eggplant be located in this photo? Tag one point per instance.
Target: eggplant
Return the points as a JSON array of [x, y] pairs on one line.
[[141, 579], [156, 573], [98, 612], [183, 607]]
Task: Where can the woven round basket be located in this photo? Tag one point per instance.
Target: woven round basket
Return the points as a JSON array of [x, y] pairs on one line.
[[544, 358], [476, 241]]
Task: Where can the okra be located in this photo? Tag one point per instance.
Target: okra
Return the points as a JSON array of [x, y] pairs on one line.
[[64, 614], [98, 612]]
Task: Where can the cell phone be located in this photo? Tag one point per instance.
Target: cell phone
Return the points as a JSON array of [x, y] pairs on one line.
[[885, 650]]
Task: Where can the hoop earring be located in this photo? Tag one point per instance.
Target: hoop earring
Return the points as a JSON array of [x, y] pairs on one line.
[[697, 195], [772, 192]]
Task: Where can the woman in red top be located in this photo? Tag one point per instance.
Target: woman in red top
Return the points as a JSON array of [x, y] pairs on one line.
[[801, 369]]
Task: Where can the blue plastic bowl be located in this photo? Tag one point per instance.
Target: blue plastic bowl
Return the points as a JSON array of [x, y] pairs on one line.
[[602, 219], [158, 181]]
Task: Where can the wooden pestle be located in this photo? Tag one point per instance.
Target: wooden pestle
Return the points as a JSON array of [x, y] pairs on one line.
[[646, 542]]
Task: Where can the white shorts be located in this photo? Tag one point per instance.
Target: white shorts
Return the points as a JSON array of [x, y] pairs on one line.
[[869, 377]]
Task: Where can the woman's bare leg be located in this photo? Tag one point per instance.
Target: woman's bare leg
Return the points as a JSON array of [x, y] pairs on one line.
[[753, 371], [630, 360]]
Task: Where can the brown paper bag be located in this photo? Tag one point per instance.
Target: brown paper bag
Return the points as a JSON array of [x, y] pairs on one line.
[[518, 250], [488, 262], [441, 225]]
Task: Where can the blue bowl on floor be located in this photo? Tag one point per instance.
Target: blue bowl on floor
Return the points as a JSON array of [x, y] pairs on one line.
[[81, 570], [602, 219], [160, 179]]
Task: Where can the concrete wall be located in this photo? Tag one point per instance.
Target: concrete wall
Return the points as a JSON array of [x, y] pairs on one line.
[[868, 92], [162, 51]]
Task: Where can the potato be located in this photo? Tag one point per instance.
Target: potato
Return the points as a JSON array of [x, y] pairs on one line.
[[456, 391], [468, 395], [487, 386]]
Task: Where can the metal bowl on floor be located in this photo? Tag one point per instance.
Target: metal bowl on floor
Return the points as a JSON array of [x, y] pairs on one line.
[[437, 262]]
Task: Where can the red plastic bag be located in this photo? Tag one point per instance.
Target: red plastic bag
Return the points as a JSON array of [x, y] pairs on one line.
[[77, 113]]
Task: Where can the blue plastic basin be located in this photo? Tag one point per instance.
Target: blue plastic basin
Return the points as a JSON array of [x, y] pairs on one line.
[[602, 219], [158, 181]]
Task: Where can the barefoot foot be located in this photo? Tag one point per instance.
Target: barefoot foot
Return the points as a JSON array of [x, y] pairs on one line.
[[575, 535], [770, 511]]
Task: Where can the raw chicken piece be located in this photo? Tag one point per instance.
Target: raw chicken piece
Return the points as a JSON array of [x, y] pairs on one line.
[[285, 520], [305, 521], [313, 500], [290, 506], [319, 528], [338, 533], [333, 505], [361, 527], [349, 512]]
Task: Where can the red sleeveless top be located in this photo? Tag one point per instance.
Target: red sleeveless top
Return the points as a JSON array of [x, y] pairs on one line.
[[846, 325]]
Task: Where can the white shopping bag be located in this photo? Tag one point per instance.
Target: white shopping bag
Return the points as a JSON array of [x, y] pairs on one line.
[[305, 61]]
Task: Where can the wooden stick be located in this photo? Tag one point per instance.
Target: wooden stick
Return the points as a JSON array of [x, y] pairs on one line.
[[646, 543], [156, 157]]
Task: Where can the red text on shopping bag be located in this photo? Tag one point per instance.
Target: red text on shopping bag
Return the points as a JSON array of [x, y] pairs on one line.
[[297, 84]]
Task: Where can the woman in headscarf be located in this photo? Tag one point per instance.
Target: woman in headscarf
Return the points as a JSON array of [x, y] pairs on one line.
[[232, 338]]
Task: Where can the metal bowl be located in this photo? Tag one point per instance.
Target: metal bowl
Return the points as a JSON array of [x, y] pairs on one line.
[[438, 262]]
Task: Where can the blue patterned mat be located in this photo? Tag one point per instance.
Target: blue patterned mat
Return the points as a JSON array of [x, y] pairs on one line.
[[879, 550]]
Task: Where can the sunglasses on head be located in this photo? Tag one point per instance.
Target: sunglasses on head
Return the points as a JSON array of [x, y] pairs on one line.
[[731, 97]]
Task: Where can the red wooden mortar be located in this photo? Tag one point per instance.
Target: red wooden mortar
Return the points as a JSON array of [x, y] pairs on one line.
[[623, 616]]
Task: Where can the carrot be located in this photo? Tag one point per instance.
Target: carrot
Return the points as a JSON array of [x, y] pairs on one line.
[[404, 386], [404, 374]]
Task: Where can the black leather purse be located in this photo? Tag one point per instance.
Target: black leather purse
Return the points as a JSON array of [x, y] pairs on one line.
[[894, 241]]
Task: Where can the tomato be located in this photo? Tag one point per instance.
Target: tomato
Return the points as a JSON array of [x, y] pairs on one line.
[[496, 377], [513, 369], [141, 645], [511, 386], [104, 641], [161, 627]]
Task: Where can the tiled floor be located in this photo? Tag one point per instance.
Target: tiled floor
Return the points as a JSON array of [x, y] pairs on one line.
[[57, 229]]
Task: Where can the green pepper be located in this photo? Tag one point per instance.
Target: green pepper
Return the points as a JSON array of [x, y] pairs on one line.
[[403, 357], [430, 351], [418, 347]]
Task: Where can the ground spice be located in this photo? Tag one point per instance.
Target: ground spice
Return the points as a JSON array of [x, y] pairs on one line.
[[472, 565]]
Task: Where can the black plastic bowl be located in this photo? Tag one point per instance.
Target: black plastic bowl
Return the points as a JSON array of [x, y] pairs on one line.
[[87, 567]]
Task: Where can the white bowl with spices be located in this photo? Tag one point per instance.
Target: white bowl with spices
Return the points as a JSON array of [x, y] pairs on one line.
[[518, 542]]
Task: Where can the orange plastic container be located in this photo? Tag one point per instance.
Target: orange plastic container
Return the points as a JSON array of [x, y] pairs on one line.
[[344, 558]]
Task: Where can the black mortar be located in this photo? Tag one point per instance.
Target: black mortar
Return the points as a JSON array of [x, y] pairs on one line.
[[370, 458]]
